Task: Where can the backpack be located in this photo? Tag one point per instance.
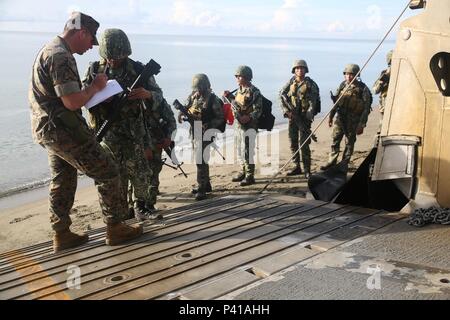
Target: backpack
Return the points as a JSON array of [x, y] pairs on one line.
[[209, 113], [266, 121], [318, 108]]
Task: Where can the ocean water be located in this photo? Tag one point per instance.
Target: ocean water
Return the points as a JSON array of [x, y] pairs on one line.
[[23, 164]]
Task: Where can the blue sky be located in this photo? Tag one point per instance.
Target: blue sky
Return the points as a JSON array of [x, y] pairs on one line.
[[285, 18]]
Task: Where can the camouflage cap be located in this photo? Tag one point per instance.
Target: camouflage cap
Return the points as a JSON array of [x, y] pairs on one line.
[[299, 64], [352, 68], [114, 44], [79, 20], [244, 71], [201, 82]]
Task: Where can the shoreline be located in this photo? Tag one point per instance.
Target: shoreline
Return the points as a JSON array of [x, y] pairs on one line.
[[39, 190]]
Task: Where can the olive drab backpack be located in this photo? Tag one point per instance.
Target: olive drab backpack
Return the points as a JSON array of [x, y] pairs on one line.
[[209, 114]]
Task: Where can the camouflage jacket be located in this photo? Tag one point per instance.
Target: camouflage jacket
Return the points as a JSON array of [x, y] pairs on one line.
[[381, 86], [160, 121], [356, 102], [208, 109], [302, 96], [248, 102], [130, 125], [54, 75]]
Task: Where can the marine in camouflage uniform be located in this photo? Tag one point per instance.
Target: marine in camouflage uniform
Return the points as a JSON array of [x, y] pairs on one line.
[[247, 108], [161, 125], [300, 102], [127, 139], [352, 114], [56, 98], [205, 113], [382, 84]]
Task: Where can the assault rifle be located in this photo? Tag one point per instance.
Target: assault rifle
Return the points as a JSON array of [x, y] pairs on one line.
[[180, 107], [291, 108], [184, 111], [333, 97], [150, 69], [170, 151], [288, 104], [159, 134]]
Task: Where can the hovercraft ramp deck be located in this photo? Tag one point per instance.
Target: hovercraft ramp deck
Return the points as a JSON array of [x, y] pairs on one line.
[[202, 251]]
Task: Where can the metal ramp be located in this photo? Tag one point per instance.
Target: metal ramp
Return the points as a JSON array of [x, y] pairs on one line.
[[203, 251]]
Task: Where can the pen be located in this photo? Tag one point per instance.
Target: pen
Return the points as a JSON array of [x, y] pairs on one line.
[[105, 71]]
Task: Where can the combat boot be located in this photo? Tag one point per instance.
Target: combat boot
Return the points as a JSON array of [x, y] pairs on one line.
[[297, 170], [248, 181], [208, 189], [140, 211], [152, 213], [130, 213], [200, 196], [67, 239], [239, 177], [118, 233]]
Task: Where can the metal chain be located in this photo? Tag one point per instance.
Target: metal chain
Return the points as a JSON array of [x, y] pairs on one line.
[[422, 217]]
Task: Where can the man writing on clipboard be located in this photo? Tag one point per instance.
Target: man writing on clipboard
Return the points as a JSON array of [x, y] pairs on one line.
[[56, 98]]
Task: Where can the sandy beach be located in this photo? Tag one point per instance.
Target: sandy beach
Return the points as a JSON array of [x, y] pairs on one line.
[[24, 221]]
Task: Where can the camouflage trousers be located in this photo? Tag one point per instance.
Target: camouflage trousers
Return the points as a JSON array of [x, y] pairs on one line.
[[343, 126], [299, 130], [66, 156], [133, 169], [155, 166], [202, 152], [245, 140]]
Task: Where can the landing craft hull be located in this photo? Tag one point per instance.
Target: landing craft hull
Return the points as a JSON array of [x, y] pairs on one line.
[[417, 112]]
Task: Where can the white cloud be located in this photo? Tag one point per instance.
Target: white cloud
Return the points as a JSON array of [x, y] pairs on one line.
[[287, 18], [190, 13], [336, 26], [374, 20], [291, 4]]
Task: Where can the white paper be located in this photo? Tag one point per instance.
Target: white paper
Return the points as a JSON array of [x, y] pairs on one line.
[[112, 88]]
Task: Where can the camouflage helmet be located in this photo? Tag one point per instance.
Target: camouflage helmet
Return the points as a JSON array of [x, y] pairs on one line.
[[352, 68], [245, 72], [201, 82], [300, 63], [114, 44], [389, 57]]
